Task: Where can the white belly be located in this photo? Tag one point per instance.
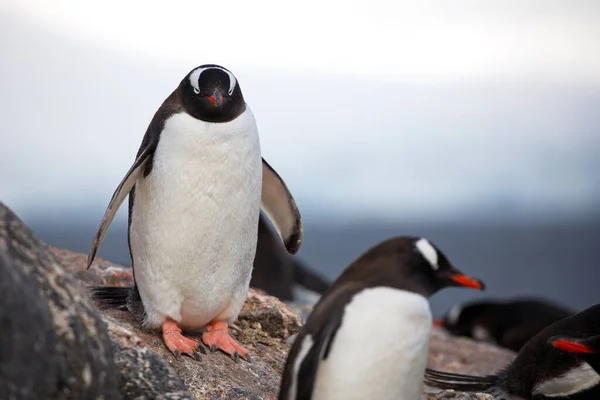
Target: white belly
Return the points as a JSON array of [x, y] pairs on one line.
[[380, 351], [195, 220]]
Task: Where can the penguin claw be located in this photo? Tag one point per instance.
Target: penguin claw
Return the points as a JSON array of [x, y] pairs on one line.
[[201, 348], [217, 336], [177, 343]]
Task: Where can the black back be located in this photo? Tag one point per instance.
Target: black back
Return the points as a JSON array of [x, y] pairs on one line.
[[511, 323]]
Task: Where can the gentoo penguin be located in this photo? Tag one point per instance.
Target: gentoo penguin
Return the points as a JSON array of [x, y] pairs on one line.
[[542, 369], [509, 324], [277, 272], [368, 335], [195, 194]]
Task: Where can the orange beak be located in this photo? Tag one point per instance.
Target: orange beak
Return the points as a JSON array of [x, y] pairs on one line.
[[571, 347], [439, 323], [465, 281], [216, 99]]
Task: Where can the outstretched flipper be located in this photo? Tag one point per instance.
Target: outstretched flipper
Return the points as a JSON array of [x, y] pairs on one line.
[[279, 205], [134, 173]]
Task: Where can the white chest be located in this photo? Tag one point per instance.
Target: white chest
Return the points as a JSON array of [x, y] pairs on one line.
[[380, 350], [195, 217], [578, 379]]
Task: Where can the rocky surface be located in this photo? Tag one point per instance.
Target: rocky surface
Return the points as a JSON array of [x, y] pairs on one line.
[[53, 352], [266, 327], [262, 328]]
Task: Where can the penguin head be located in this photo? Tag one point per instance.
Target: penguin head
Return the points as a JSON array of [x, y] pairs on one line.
[[586, 349], [431, 266], [211, 93]]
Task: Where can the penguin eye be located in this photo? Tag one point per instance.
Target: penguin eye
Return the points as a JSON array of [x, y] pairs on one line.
[[196, 90]]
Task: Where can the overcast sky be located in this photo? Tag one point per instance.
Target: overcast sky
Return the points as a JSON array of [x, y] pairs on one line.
[[393, 108]]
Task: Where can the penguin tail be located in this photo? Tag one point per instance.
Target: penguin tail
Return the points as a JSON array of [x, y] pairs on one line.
[[115, 297], [459, 382]]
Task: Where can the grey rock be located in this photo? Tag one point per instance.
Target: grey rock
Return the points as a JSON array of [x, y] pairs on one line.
[[53, 342], [453, 395], [144, 374]]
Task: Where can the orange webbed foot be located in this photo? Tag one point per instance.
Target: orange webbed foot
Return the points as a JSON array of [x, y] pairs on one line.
[[179, 344], [217, 336]]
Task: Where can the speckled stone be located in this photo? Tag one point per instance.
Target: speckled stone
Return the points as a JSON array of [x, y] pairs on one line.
[[53, 342]]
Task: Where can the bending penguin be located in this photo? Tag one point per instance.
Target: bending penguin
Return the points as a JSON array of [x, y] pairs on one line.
[[196, 190], [560, 363], [368, 335]]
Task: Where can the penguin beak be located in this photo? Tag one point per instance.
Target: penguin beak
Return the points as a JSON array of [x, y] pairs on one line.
[[569, 345], [465, 281], [439, 322], [216, 99]]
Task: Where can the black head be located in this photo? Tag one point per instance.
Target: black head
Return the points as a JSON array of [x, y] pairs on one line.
[[211, 93], [409, 263], [430, 263], [587, 349]]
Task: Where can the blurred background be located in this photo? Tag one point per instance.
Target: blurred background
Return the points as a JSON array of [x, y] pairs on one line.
[[475, 124]]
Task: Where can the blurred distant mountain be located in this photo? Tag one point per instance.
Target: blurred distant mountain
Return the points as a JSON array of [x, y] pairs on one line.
[[556, 260]]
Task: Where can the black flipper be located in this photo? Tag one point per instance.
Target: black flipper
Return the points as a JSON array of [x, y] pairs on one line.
[[279, 205]]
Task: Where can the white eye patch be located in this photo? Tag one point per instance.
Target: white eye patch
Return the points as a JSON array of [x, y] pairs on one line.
[[454, 314], [480, 333], [428, 252], [195, 76]]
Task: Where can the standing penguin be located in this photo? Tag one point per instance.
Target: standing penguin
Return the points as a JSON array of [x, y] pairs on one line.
[[195, 193], [551, 365], [368, 335]]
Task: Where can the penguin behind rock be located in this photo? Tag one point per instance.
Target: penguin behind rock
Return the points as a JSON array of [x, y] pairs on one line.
[[509, 324], [542, 369], [368, 335], [277, 272], [195, 194]]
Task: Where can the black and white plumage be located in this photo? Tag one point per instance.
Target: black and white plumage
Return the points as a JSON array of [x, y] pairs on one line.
[[506, 323], [195, 191], [368, 335], [541, 370]]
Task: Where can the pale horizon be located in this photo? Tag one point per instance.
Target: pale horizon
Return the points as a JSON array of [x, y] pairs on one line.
[[429, 112]]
